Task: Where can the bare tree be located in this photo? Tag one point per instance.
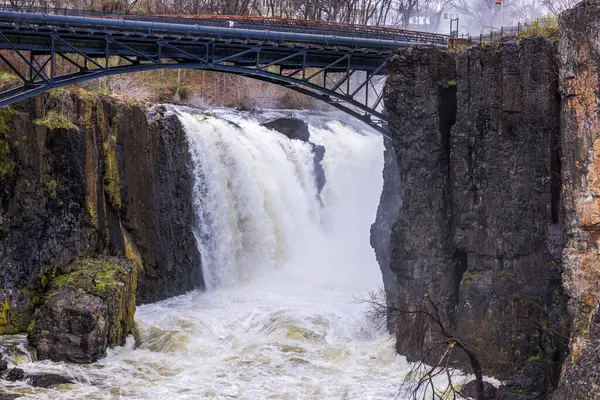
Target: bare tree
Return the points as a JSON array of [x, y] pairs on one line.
[[440, 349], [558, 6]]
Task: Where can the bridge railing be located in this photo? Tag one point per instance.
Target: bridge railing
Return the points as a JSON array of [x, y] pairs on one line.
[[250, 22], [516, 30]]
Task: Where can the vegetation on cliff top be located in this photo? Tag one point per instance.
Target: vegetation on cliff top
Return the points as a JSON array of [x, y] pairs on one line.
[[545, 26], [8, 80]]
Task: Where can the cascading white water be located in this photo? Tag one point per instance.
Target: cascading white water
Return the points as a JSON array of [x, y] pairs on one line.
[[258, 205], [280, 318], [255, 195]]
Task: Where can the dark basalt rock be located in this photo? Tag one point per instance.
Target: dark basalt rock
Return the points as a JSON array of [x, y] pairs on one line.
[[38, 379], [14, 374], [389, 205], [44, 380], [3, 365], [295, 128], [319, 154], [469, 391], [159, 211], [71, 327], [7, 396]]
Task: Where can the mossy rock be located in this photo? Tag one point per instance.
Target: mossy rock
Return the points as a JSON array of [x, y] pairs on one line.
[[16, 311], [90, 306], [292, 349], [112, 279]]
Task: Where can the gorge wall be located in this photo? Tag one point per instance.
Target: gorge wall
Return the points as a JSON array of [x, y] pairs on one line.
[[497, 153], [477, 139], [83, 177]]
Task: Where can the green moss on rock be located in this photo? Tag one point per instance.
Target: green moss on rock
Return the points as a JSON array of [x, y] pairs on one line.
[[4, 309], [55, 120], [14, 319], [112, 180], [50, 187]]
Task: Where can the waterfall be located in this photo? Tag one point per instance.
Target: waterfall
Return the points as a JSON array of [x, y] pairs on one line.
[[257, 204]]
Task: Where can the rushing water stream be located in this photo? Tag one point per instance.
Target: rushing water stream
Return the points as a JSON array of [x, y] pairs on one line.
[[284, 268]]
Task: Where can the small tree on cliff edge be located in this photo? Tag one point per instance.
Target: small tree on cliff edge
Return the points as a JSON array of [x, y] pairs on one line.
[[430, 379]]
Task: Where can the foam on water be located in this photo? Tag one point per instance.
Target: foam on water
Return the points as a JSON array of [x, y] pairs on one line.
[[280, 319]]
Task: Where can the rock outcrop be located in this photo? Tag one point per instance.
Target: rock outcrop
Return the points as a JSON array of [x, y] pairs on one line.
[[477, 142], [579, 54], [421, 250], [88, 176]]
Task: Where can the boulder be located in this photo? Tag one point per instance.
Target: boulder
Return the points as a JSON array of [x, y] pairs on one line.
[[44, 380], [15, 374], [293, 128], [91, 307], [469, 391], [9, 396]]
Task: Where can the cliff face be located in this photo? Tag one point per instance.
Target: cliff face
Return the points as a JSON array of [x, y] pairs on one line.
[[477, 140], [81, 176], [579, 54], [418, 81], [505, 179]]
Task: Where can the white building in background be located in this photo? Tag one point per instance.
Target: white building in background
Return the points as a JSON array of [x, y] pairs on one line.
[[450, 14], [438, 22]]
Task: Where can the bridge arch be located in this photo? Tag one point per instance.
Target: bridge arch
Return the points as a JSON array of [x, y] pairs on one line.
[[304, 60], [339, 100]]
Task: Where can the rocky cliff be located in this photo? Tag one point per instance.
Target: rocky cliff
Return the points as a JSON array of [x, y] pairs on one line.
[[83, 175], [477, 139], [579, 55]]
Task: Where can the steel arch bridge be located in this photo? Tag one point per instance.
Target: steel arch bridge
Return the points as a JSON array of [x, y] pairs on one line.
[[337, 63]]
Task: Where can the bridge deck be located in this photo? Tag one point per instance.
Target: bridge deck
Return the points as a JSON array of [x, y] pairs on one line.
[[260, 23]]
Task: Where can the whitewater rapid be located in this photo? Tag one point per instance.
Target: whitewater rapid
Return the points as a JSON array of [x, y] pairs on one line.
[[283, 268]]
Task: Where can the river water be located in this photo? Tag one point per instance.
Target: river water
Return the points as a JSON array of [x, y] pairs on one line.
[[284, 269]]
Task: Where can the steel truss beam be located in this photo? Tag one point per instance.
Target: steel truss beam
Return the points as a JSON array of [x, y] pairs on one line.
[[305, 69]]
